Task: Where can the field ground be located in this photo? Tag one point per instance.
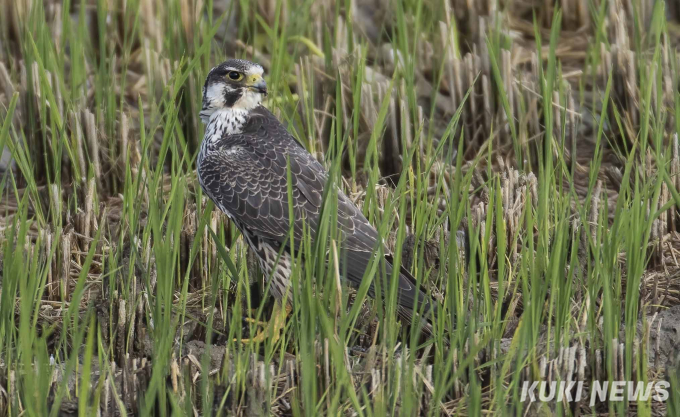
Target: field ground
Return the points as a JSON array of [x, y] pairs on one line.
[[548, 234]]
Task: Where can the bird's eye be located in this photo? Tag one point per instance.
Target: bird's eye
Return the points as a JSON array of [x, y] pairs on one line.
[[234, 75]]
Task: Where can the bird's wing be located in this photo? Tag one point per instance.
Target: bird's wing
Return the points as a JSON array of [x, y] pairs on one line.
[[246, 177]]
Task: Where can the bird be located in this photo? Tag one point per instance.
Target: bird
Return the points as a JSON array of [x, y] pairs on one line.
[[243, 166]]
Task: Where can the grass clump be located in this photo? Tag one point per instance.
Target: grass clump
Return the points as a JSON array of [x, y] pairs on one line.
[[520, 161]]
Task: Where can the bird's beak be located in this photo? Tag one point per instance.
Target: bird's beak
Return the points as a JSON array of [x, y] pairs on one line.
[[256, 82]]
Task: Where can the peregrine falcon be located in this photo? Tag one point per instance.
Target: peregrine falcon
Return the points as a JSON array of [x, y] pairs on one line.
[[243, 168]]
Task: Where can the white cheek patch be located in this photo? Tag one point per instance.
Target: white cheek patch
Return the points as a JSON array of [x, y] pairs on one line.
[[213, 99], [215, 95]]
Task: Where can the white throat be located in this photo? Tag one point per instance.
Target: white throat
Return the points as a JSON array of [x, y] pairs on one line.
[[227, 121], [248, 101], [222, 122]]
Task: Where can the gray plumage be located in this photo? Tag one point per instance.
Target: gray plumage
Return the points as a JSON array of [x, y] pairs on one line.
[[242, 167]]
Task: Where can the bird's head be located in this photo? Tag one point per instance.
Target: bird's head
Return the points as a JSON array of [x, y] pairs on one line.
[[234, 84]]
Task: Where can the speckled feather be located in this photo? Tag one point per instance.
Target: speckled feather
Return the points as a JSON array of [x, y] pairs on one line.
[[244, 171]]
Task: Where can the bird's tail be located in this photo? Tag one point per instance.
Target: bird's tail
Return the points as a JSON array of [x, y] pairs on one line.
[[413, 305], [425, 308]]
